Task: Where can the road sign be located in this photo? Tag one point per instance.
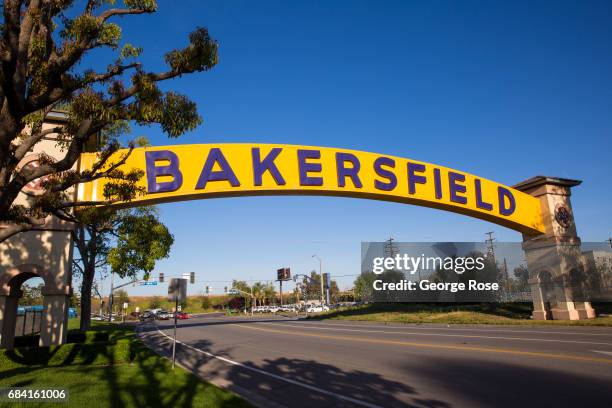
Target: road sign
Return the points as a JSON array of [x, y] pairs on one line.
[[233, 292], [177, 290], [179, 308], [283, 274], [125, 305], [145, 283]]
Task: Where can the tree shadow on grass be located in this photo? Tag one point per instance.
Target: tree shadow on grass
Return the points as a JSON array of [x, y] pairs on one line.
[[131, 374]]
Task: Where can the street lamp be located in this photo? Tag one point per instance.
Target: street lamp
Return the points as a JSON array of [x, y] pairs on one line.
[[321, 275]]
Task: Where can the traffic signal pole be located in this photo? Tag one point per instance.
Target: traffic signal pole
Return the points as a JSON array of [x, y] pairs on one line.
[[174, 336]]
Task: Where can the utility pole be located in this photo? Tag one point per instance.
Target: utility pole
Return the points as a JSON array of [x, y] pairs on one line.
[[110, 298], [320, 276], [390, 248], [490, 248]]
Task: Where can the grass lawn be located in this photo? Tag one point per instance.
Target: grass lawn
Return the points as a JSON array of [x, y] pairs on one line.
[[485, 313], [108, 366]]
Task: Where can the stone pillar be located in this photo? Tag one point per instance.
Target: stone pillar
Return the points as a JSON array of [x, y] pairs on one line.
[[585, 310], [557, 251], [54, 327], [540, 312], [8, 319]]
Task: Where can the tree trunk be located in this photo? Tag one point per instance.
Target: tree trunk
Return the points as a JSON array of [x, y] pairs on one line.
[[88, 276]]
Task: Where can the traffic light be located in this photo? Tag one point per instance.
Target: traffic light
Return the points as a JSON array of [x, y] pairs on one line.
[[225, 289], [191, 277], [207, 290], [161, 277]]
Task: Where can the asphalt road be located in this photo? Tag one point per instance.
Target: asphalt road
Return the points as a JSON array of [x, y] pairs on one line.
[[276, 362]]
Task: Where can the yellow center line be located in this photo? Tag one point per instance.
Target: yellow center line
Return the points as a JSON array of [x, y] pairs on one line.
[[433, 345]]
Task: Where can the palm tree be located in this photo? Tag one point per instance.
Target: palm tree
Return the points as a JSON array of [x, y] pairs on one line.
[[269, 291], [258, 292]]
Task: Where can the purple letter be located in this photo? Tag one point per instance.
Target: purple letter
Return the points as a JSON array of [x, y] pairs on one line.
[[413, 178], [504, 193], [438, 183], [225, 174], [305, 167], [343, 172], [479, 202], [385, 161], [455, 188], [154, 171], [267, 164]]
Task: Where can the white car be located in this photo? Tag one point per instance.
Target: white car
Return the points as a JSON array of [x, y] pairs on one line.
[[317, 309], [273, 309]]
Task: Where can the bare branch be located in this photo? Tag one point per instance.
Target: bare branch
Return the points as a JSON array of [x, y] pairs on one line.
[[27, 144], [121, 12]]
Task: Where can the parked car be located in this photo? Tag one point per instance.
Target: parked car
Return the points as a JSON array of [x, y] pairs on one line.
[[182, 315], [273, 309], [317, 309]]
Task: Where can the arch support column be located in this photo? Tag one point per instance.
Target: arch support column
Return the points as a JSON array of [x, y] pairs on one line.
[[557, 251], [540, 311], [54, 327], [8, 319]]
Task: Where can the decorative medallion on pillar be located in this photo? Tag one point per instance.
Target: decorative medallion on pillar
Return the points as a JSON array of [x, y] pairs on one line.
[[563, 216]]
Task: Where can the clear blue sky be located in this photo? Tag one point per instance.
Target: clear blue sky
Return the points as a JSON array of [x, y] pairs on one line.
[[504, 90]]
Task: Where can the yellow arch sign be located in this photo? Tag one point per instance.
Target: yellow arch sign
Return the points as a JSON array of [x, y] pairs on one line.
[[186, 172]]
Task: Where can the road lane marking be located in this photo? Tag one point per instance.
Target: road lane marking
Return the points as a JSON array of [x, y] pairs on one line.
[[278, 377], [434, 345], [434, 334], [461, 328], [608, 353]]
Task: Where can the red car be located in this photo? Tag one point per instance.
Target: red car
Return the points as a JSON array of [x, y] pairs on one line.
[[182, 315]]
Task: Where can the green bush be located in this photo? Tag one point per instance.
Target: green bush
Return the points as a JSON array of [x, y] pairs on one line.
[[206, 304]]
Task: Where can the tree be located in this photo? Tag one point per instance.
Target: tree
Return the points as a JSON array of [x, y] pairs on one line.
[[44, 46], [269, 292], [121, 297], [32, 295], [258, 292], [334, 290], [363, 285], [155, 302], [522, 275], [245, 291], [139, 238], [206, 304], [312, 286]]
